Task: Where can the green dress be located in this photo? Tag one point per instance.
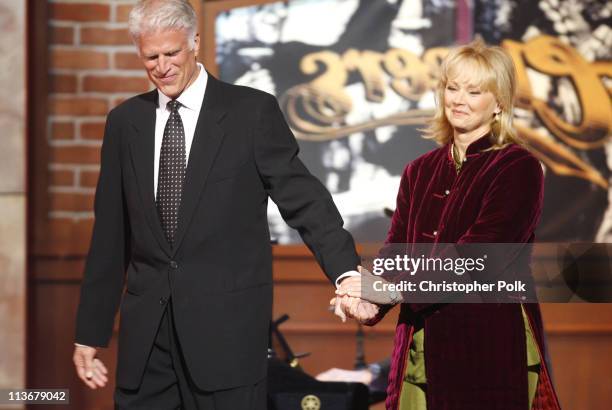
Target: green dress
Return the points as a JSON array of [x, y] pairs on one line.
[[413, 395]]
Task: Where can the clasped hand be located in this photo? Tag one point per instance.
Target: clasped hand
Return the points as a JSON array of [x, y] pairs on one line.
[[357, 297], [349, 307]]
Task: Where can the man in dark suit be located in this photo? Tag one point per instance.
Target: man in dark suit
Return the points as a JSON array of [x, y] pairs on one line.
[[181, 205]]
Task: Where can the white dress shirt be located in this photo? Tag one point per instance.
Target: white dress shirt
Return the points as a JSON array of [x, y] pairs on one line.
[[191, 100]]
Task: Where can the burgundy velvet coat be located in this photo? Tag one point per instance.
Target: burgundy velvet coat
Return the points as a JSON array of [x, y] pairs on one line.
[[475, 354]]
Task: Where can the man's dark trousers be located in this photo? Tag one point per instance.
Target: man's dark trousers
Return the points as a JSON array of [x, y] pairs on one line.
[[167, 385]]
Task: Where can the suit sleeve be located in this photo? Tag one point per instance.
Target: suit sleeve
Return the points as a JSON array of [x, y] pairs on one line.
[[106, 261], [303, 201]]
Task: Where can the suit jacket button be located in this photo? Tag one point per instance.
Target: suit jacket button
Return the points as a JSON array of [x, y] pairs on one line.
[[163, 300], [173, 265]]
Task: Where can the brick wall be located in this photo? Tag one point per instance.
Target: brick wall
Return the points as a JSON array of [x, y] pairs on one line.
[[92, 67]]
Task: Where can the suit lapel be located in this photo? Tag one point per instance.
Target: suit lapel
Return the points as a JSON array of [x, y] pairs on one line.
[[206, 142], [142, 151]]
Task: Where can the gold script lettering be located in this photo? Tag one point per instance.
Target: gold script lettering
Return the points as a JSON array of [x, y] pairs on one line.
[[550, 56], [367, 63], [326, 100], [409, 74], [317, 110]]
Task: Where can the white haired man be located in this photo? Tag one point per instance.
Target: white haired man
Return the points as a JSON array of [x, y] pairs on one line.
[[181, 207]]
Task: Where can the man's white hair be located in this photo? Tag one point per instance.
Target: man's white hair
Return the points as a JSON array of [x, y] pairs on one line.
[[153, 15]]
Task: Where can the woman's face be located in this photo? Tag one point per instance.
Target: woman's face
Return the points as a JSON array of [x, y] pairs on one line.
[[468, 108]]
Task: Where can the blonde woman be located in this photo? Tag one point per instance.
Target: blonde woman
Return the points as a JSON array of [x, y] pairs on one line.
[[480, 186]]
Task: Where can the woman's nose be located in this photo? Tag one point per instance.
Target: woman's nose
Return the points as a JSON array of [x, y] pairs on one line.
[[458, 98]]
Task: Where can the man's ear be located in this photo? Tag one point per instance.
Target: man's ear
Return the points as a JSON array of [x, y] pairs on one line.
[[196, 44]]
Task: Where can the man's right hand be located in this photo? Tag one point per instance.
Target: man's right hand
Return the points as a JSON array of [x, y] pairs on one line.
[[89, 368]]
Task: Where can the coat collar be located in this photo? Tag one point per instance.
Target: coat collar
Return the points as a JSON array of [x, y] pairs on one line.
[[208, 136], [479, 145], [474, 149]]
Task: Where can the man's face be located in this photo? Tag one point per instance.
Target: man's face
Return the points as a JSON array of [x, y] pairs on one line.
[[168, 59]]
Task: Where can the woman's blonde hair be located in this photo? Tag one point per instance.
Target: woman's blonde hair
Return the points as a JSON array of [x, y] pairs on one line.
[[493, 71]]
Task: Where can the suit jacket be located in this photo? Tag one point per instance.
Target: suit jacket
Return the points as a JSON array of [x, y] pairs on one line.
[[475, 354], [219, 272]]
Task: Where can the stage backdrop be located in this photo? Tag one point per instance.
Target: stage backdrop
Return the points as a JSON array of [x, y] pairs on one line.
[[355, 80], [81, 63]]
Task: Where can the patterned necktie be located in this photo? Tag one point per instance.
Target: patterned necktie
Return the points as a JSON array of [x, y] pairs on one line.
[[171, 172]]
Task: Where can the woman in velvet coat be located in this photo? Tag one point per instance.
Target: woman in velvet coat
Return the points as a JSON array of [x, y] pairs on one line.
[[480, 186]]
